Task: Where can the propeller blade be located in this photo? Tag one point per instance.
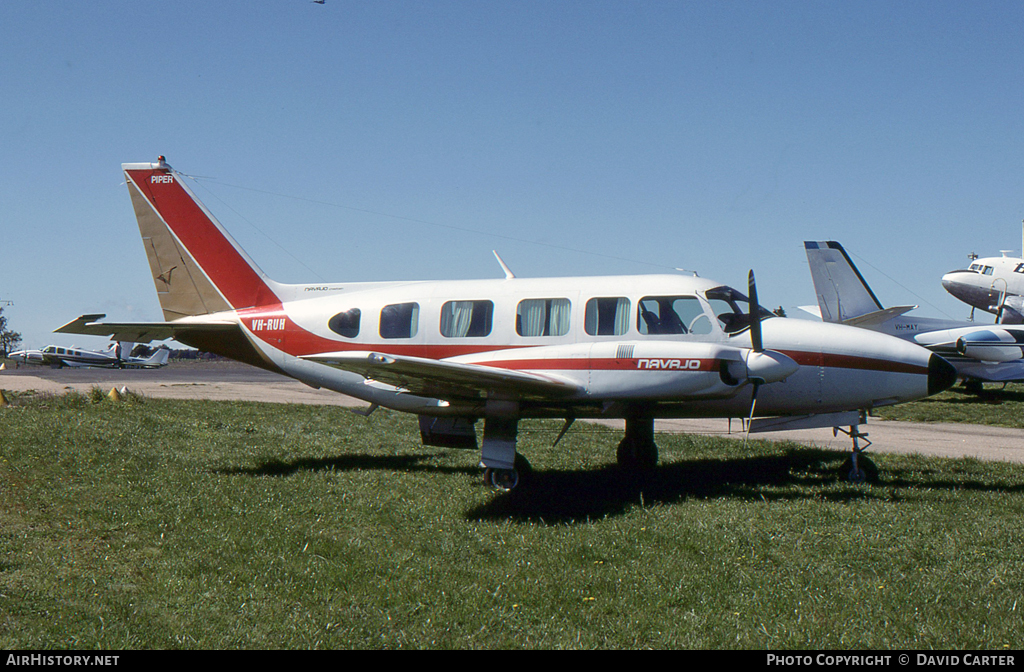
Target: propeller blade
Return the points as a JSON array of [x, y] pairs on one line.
[[753, 405], [755, 317]]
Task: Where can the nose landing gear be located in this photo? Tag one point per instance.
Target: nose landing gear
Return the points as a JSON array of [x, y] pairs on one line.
[[858, 468]]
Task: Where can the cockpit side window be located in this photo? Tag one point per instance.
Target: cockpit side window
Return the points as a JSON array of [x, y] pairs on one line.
[[733, 309], [345, 324], [672, 315]]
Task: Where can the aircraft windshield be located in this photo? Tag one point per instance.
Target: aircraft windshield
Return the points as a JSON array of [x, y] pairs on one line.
[[733, 309]]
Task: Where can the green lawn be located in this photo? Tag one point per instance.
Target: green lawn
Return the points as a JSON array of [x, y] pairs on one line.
[[994, 406], [160, 524]]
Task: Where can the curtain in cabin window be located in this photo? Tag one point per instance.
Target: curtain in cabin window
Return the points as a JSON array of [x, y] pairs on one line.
[[559, 318], [621, 316], [533, 315]]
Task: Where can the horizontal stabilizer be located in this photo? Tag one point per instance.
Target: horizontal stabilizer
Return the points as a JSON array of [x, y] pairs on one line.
[[811, 310], [873, 319], [445, 379], [140, 332]]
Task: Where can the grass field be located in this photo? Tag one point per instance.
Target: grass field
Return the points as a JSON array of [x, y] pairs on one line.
[[994, 406], [162, 524]]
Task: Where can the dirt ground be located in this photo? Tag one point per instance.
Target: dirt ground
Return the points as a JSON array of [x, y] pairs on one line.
[[230, 380]]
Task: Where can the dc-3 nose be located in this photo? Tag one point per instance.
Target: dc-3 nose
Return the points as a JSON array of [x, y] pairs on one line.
[[964, 285]]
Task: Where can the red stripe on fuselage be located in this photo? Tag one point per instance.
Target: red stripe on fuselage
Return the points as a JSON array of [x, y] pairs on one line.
[[836, 361], [229, 271], [272, 325]]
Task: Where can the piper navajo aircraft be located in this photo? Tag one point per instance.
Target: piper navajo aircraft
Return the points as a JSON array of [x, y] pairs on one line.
[[454, 352], [978, 352], [58, 356]]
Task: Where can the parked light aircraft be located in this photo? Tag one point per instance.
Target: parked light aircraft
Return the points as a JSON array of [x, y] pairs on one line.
[[454, 352], [111, 358], [994, 284], [978, 352]]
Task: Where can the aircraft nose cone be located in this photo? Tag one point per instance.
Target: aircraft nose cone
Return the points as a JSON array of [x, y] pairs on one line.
[[941, 375], [948, 282]]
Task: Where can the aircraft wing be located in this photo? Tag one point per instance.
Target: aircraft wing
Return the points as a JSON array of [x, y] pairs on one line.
[[443, 379], [141, 332]]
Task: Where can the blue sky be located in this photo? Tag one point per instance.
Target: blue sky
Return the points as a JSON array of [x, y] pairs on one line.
[[406, 140]]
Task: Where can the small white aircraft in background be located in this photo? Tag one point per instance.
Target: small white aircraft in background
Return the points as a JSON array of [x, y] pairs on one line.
[[979, 352], [994, 284], [454, 352], [111, 358]]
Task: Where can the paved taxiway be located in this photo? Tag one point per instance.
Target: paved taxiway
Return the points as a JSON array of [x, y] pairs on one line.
[[230, 380]]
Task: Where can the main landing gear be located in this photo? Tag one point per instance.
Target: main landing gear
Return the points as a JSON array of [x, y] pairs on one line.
[[637, 450], [505, 469], [509, 479], [858, 468]]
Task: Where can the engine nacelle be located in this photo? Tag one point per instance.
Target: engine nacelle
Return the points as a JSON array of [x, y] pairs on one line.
[[988, 345], [1012, 310], [769, 366]]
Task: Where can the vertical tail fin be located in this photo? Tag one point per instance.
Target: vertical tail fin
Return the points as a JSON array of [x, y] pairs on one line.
[[197, 267], [158, 358], [842, 292]]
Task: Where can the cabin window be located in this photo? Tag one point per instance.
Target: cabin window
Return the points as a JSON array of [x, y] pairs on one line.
[[1019, 269], [543, 317], [461, 319], [345, 324], [607, 316], [672, 315], [400, 320]]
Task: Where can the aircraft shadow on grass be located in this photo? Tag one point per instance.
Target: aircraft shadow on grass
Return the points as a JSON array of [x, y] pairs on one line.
[[566, 496], [354, 462]]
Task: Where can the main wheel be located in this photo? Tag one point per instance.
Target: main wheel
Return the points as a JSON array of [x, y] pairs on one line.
[[637, 455], [502, 479], [509, 479]]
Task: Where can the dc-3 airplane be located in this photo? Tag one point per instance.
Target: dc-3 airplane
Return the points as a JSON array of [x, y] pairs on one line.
[[111, 358], [455, 352], [994, 284], [979, 353]]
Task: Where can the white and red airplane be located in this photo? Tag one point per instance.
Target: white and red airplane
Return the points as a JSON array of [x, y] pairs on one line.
[[454, 352]]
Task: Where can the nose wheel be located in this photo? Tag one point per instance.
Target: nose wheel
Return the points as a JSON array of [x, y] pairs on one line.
[[858, 468]]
